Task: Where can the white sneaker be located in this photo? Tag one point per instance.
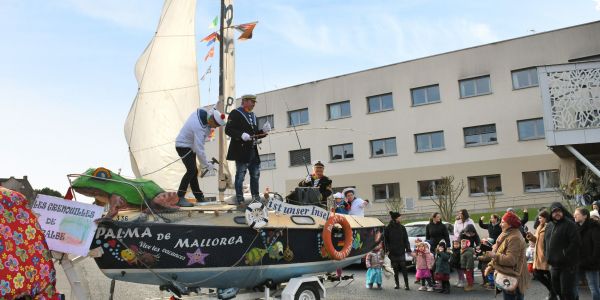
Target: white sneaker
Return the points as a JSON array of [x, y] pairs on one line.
[[460, 284], [430, 289], [422, 288]]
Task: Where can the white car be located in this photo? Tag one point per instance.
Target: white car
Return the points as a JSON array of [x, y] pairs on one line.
[[417, 230]]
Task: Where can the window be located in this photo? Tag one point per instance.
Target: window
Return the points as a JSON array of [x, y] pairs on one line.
[[425, 95], [380, 103], [383, 147], [524, 78], [430, 141], [298, 117], [341, 152], [427, 188], [475, 87], [480, 185], [338, 110], [531, 129], [480, 135], [382, 192], [540, 181], [299, 157], [262, 120], [267, 161]]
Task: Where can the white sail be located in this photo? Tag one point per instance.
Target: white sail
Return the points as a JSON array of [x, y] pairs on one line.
[[168, 93]]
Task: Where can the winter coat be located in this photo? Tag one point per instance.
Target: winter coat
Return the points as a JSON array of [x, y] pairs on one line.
[[459, 226], [396, 241], [562, 241], [436, 232], [589, 232], [237, 124], [455, 258], [474, 240], [324, 185], [540, 262], [423, 260], [493, 230], [374, 259], [510, 258], [467, 261], [442, 263]]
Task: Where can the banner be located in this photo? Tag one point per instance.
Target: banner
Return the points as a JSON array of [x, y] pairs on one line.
[[68, 225], [297, 210]]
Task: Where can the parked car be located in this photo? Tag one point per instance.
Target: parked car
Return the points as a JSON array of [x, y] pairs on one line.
[[417, 230]]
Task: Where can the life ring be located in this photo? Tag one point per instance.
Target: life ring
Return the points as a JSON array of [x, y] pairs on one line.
[[327, 242], [257, 215]]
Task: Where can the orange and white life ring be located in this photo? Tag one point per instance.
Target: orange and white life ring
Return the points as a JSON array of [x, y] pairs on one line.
[[328, 243]]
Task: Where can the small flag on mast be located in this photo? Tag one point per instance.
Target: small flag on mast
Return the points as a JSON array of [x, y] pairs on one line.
[[246, 30], [210, 37], [210, 53], [207, 72], [214, 23]]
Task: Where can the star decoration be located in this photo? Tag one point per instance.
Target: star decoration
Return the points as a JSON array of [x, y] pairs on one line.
[[197, 257]]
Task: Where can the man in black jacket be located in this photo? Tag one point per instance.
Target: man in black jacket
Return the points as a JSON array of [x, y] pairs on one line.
[[319, 180], [589, 265], [561, 249], [397, 245], [243, 130]]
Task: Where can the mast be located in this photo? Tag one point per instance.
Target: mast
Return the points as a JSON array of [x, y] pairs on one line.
[[226, 88]]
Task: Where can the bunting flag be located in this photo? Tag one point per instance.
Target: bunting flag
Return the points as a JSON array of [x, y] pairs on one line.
[[246, 30], [214, 23], [210, 53], [210, 37], [206, 73]]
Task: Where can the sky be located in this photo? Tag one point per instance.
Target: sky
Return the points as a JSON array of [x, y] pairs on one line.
[[66, 66]]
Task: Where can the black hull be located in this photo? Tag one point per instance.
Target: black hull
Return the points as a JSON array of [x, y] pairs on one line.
[[219, 256]]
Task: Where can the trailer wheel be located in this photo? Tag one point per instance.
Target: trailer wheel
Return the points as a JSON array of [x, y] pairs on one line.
[[307, 291]]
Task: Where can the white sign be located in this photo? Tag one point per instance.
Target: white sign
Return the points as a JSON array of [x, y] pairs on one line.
[[68, 225], [297, 210]]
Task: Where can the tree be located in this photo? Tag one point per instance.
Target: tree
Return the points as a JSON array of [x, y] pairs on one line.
[[446, 195], [395, 204], [48, 191], [491, 197]]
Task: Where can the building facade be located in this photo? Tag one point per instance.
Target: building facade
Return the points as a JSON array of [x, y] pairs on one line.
[[475, 114]]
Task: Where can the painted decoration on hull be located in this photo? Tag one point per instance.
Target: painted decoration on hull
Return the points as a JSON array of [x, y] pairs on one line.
[[134, 246]]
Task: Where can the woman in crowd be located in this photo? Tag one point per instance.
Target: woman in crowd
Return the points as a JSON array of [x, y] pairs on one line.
[[397, 245], [436, 231], [589, 263], [509, 257], [541, 269], [462, 220], [493, 227]]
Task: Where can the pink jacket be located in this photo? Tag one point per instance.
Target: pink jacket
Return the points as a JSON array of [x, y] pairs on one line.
[[424, 260]]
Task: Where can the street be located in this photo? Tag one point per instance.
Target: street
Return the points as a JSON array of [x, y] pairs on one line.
[[99, 287]]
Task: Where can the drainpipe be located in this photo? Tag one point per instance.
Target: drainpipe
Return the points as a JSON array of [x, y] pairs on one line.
[[583, 160]]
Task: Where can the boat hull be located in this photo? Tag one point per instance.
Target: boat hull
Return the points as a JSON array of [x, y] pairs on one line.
[[220, 256]]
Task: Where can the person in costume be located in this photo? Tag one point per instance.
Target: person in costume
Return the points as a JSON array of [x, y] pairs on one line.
[[318, 180]]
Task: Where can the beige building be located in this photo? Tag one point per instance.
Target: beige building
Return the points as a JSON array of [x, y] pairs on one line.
[[475, 114]]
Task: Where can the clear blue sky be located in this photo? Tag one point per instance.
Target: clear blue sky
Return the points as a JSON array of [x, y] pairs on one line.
[[66, 66]]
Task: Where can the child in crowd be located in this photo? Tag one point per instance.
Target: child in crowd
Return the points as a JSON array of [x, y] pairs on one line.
[[423, 264], [455, 263], [483, 260], [340, 204], [467, 262], [442, 267], [374, 262]]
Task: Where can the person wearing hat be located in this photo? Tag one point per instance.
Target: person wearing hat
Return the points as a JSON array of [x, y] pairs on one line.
[[595, 216], [397, 245], [340, 205], [319, 180], [357, 205], [562, 244], [523, 220], [243, 130], [509, 257], [189, 144]]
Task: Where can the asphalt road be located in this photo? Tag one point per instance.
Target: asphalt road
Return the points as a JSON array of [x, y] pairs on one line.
[[99, 287]]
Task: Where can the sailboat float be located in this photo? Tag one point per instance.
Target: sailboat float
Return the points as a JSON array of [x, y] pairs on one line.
[[211, 245]]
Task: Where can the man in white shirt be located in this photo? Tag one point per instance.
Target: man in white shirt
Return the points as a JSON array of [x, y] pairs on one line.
[[189, 144], [357, 205]]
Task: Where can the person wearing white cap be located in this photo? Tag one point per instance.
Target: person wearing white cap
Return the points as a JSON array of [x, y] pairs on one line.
[[341, 206], [189, 144], [357, 205], [243, 130], [318, 179]]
